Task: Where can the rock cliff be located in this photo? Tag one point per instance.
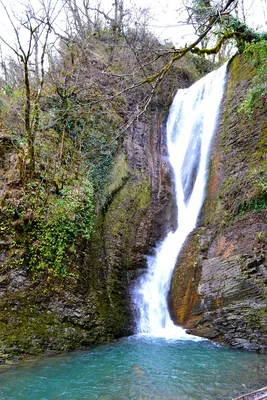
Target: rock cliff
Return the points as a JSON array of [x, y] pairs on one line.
[[218, 288], [42, 312]]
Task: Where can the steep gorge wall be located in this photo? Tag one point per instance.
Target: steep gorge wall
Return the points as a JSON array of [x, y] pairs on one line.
[[218, 288], [37, 316], [43, 313]]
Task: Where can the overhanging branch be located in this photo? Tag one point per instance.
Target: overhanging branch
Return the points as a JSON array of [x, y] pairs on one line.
[[179, 53]]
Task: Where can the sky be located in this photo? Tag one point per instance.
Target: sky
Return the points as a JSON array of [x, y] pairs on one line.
[[165, 17]]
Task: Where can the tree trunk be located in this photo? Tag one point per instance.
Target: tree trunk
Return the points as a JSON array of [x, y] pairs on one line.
[[28, 129]]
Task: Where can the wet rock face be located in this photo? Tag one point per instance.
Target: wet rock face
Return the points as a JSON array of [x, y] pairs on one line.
[[37, 317], [140, 212], [219, 286], [232, 300], [46, 314]]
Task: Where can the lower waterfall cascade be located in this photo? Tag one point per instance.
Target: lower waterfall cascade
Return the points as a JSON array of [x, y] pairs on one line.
[[191, 125]]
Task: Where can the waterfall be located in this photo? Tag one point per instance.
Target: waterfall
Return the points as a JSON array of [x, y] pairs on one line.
[[190, 127]]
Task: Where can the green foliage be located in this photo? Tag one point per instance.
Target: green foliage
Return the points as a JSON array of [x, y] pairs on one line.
[[201, 64], [257, 204], [7, 215], [118, 175], [91, 129], [44, 227], [75, 144], [201, 13], [256, 56], [259, 201], [51, 234], [245, 34]]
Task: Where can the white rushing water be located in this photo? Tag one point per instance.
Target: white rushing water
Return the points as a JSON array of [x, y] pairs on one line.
[[190, 127]]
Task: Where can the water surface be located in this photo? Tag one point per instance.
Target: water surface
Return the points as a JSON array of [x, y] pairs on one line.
[[138, 368]]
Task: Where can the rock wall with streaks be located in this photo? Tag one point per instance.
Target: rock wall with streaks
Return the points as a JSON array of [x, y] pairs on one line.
[[218, 288], [44, 313]]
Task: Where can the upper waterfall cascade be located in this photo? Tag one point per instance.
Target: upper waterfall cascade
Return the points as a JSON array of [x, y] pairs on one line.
[[190, 127]]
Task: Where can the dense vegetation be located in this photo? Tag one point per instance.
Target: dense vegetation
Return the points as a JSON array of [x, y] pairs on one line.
[[255, 54], [62, 124], [54, 183]]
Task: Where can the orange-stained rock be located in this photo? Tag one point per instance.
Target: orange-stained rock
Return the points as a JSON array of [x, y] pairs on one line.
[[218, 289]]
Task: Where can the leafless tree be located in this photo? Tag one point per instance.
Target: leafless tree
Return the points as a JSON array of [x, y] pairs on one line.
[[205, 16], [35, 26], [74, 71]]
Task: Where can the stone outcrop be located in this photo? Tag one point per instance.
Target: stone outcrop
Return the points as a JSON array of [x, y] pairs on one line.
[[218, 288], [42, 313]]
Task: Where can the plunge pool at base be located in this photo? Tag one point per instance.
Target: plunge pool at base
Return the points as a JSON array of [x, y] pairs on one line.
[[137, 368]]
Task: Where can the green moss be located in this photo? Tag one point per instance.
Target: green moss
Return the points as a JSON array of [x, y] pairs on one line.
[[133, 197], [261, 147], [256, 204], [256, 59], [115, 233], [29, 326], [119, 173], [44, 227], [240, 151], [239, 70], [256, 319], [144, 195]]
